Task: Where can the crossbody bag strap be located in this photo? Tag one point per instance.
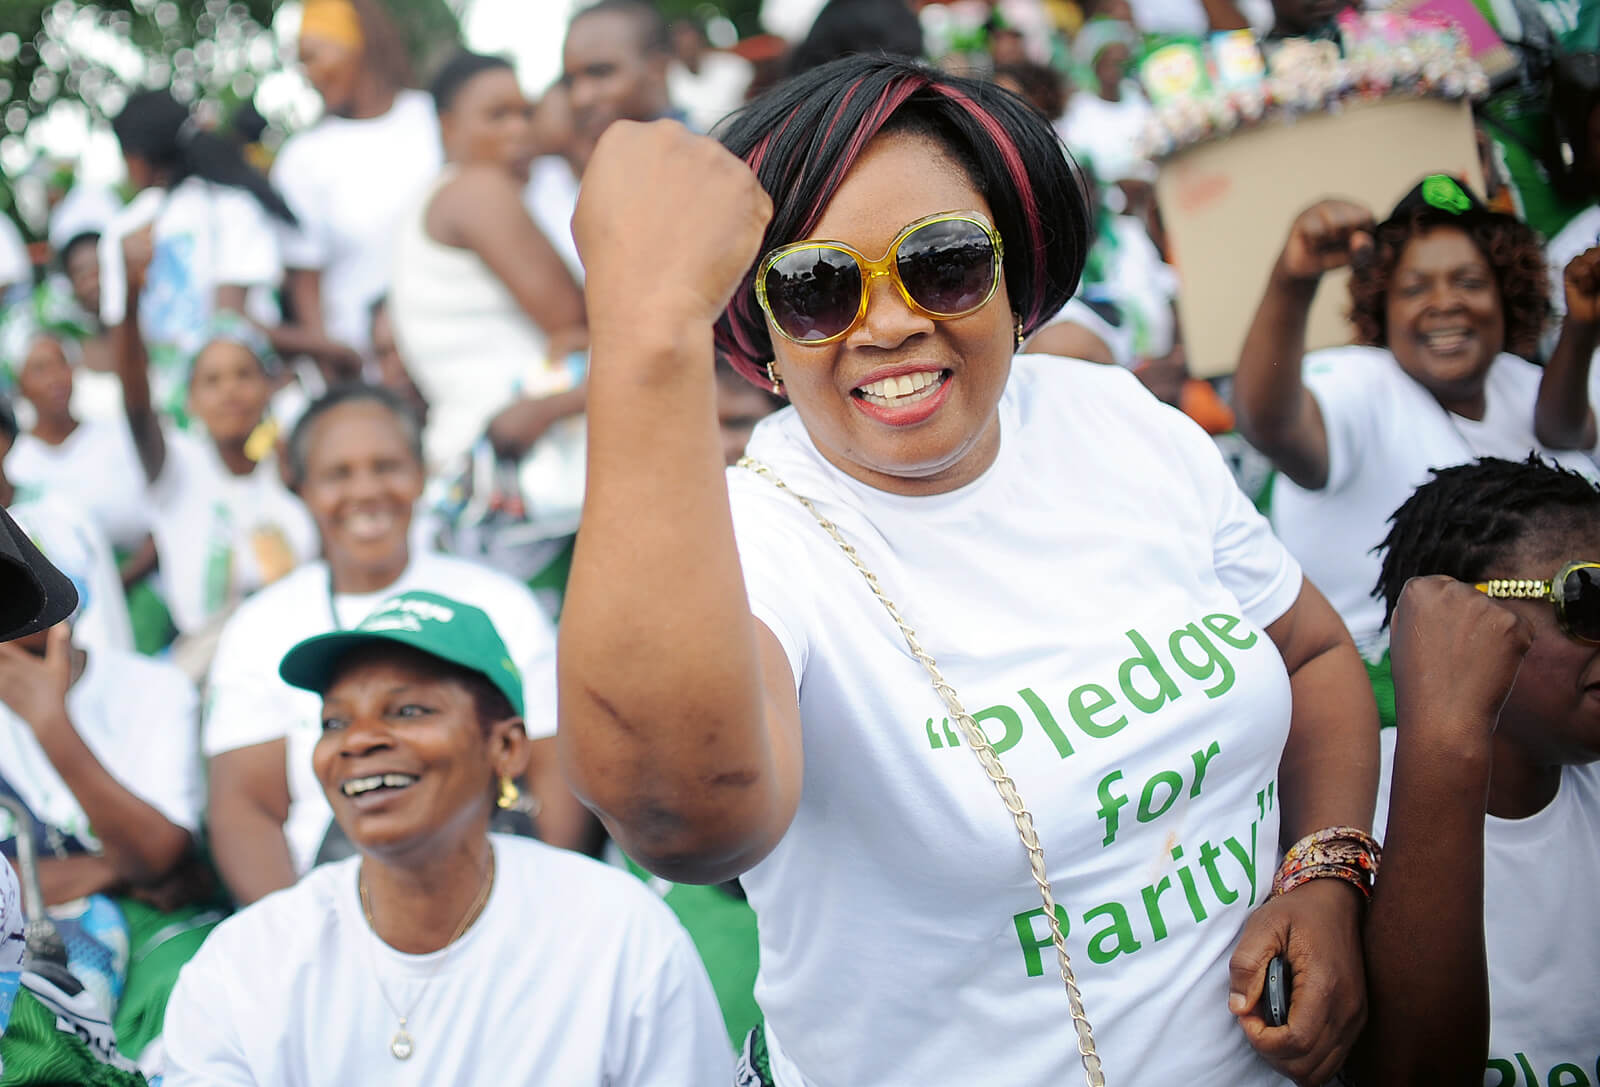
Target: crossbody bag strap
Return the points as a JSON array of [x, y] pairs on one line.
[[984, 750]]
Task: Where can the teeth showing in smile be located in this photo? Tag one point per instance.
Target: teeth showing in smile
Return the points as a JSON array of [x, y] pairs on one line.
[[358, 786], [1446, 339], [369, 524], [894, 392]]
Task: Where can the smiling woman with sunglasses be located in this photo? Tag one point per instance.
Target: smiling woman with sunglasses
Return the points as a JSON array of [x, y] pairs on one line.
[[1482, 942], [768, 674]]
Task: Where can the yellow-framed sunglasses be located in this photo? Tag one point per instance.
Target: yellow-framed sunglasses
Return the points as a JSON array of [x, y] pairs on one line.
[[944, 266], [1574, 592]]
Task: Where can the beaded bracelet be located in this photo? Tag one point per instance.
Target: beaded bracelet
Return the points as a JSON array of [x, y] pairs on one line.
[[1346, 853]]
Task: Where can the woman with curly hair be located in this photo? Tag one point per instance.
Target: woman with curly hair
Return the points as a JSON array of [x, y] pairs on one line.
[[1444, 293]]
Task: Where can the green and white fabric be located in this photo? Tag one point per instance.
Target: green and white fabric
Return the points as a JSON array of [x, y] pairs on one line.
[[220, 536]]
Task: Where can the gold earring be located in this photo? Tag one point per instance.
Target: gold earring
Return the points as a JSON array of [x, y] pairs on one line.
[[772, 376], [1020, 336], [508, 793]]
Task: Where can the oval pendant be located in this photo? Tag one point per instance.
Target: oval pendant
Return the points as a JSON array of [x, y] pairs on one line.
[[400, 1045]]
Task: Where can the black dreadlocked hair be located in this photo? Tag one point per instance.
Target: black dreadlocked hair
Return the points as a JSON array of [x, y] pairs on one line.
[[1469, 515]]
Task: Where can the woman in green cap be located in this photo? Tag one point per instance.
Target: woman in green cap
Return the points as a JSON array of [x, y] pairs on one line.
[[441, 953], [1444, 296]]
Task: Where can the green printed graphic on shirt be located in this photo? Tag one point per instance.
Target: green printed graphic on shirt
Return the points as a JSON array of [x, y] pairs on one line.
[[219, 559], [1199, 882], [1518, 1070], [1158, 671]]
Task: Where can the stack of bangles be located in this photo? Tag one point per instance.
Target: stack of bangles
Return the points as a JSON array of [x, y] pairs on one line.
[[1345, 853]]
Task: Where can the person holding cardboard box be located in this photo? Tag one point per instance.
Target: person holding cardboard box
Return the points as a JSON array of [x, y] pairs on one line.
[[1442, 293]]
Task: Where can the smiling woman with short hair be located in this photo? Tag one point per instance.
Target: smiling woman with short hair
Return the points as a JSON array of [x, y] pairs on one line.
[[355, 459], [1442, 293], [442, 953], [1157, 697]]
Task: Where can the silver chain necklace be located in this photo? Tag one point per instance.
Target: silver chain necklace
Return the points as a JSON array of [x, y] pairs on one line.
[[402, 1045]]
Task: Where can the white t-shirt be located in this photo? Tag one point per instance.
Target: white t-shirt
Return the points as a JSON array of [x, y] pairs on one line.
[[1578, 236], [349, 183], [1097, 599], [467, 343], [15, 266], [1108, 132], [140, 719], [67, 536], [551, 197], [96, 468], [709, 95], [221, 536], [575, 975], [1541, 878], [1385, 431], [247, 703], [206, 236]]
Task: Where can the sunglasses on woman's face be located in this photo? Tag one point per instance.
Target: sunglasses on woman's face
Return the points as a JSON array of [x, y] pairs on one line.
[[944, 266], [1575, 592]]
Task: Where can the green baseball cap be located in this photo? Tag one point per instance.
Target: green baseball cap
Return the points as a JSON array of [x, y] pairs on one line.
[[427, 622]]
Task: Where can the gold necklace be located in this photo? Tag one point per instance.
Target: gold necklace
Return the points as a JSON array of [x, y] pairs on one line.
[[401, 1045]]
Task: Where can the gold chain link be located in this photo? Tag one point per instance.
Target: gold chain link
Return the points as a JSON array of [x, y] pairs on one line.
[[979, 743]]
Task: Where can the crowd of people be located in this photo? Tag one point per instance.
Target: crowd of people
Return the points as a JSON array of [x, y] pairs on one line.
[[532, 564]]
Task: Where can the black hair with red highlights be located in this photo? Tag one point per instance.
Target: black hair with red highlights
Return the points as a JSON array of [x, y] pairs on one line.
[[802, 138]]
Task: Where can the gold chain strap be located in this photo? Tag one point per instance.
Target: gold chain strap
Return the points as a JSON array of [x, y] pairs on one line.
[[979, 743]]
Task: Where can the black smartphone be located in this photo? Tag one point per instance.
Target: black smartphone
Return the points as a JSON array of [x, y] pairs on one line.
[[1275, 993]]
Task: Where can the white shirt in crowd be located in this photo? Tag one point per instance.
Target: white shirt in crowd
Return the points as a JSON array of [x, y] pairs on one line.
[[551, 197], [350, 183], [247, 703], [1541, 876], [467, 343], [96, 468], [140, 718], [71, 540], [1108, 132], [1187, 18], [1385, 431], [1577, 237], [1117, 661], [716, 90], [221, 536], [206, 236], [15, 266], [575, 974]]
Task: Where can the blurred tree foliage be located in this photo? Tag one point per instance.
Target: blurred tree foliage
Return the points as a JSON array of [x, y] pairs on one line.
[[214, 50], [744, 13]]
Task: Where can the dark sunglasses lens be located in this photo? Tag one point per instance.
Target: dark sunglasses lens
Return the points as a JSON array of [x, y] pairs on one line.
[[814, 293], [947, 266], [1580, 602]]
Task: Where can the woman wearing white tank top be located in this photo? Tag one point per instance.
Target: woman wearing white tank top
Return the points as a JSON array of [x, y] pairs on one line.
[[481, 301]]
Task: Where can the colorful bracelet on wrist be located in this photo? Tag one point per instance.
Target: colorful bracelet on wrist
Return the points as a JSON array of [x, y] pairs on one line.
[[1346, 853]]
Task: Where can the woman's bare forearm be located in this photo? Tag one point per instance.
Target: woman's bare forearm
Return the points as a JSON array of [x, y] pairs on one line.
[[1427, 972], [1269, 395], [1329, 769], [1562, 416], [663, 718]]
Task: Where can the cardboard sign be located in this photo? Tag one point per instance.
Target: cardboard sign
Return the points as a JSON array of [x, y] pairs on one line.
[[1227, 206]]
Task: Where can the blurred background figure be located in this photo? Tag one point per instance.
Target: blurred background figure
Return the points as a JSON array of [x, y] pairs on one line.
[[706, 83]]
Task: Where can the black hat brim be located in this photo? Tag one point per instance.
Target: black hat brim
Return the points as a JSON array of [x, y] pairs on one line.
[[34, 595]]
